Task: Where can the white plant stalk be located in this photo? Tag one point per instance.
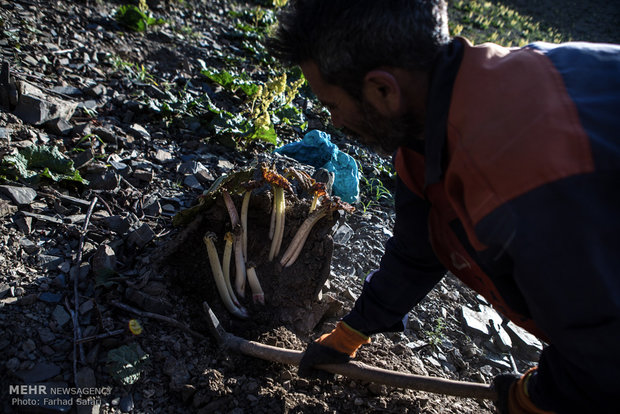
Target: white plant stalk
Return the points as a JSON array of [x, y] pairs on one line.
[[280, 226], [315, 200], [272, 222], [280, 211], [218, 275], [318, 193], [244, 221], [228, 247], [240, 275], [297, 244], [257, 292], [230, 206]]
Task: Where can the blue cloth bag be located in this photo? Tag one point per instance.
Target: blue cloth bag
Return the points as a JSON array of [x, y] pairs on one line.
[[317, 150]]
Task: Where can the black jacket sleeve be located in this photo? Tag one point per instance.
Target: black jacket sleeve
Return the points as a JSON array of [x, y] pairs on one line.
[[408, 271]]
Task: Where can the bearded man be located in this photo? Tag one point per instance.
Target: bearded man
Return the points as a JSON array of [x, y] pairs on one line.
[[508, 163]]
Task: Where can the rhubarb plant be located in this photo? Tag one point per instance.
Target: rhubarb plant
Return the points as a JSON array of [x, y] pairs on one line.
[[137, 18], [40, 161], [267, 104], [240, 187]]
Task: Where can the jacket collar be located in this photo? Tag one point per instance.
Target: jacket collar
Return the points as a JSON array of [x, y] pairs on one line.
[[443, 75]]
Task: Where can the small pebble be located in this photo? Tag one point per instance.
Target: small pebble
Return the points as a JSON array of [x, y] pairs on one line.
[[126, 403], [12, 364]]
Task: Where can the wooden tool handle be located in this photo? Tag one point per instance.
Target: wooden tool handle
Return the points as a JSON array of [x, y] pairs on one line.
[[360, 371]]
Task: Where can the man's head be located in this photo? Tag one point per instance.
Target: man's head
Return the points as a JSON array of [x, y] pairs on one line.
[[370, 56]]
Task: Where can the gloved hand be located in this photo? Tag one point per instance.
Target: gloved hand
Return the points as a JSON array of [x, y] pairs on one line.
[[513, 395], [336, 347]]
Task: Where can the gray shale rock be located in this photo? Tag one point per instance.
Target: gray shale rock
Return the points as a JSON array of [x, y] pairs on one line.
[[117, 224], [5, 135], [141, 236], [40, 372], [6, 208], [525, 341], [152, 206], [60, 316], [139, 131], [36, 108], [20, 195], [86, 379], [482, 323], [192, 182], [126, 403], [104, 261], [59, 126]]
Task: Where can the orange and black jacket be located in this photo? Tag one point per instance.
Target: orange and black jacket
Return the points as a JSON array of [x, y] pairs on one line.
[[516, 190]]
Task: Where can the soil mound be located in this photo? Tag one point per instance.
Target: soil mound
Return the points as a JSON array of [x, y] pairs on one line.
[[291, 293]]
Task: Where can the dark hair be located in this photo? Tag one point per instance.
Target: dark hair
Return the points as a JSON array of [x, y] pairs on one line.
[[349, 38]]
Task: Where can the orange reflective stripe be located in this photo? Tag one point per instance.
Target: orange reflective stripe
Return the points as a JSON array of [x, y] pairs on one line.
[[519, 401]]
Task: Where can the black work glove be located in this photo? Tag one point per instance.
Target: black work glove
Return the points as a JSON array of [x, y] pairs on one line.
[[501, 384], [317, 354], [336, 347]]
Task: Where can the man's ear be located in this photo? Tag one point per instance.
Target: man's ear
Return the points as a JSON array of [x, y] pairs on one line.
[[383, 91]]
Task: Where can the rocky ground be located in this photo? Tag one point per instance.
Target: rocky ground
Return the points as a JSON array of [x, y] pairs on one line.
[[99, 290]]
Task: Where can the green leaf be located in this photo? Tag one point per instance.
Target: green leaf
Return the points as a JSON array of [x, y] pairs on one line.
[[266, 133], [250, 89], [232, 82], [290, 115], [133, 18], [153, 21], [223, 78], [34, 162], [239, 126], [126, 363], [227, 123], [41, 156]]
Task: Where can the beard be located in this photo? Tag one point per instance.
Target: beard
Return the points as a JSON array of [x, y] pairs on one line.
[[385, 135]]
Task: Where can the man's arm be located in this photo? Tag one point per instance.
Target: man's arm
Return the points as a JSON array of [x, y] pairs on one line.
[[408, 270]]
